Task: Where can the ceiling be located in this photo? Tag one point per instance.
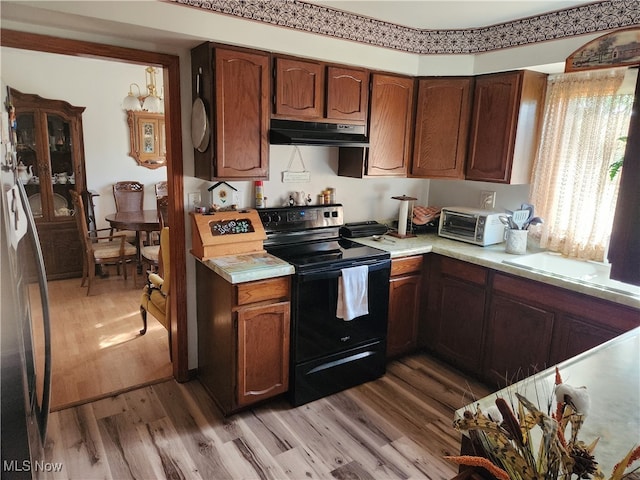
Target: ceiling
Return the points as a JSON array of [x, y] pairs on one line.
[[447, 14]]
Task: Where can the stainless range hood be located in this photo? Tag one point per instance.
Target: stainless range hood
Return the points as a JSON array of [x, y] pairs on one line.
[[291, 132]]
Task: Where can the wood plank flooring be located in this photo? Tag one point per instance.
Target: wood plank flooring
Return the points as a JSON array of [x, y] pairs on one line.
[[397, 427], [95, 342]]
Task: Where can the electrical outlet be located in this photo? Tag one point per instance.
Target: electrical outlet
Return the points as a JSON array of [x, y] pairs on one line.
[[194, 199], [487, 200]]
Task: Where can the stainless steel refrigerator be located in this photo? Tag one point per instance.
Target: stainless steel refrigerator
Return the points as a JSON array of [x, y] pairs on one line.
[[25, 368]]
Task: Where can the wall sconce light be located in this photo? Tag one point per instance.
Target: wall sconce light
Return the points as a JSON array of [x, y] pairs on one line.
[[150, 102]]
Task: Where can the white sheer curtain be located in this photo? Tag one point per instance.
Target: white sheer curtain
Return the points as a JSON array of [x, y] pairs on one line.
[[584, 119]]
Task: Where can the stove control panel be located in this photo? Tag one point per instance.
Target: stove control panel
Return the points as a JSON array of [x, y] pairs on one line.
[[301, 218]]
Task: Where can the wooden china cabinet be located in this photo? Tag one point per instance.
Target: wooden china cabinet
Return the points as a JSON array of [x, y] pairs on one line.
[[50, 156]]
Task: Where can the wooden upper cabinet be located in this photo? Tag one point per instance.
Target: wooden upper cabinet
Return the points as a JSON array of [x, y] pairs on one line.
[[347, 94], [299, 89], [442, 127], [390, 124], [505, 126], [307, 90], [235, 91]]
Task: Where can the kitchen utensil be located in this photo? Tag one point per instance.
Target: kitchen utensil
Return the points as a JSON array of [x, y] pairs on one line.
[[520, 217], [532, 221], [508, 221], [529, 207], [200, 130]]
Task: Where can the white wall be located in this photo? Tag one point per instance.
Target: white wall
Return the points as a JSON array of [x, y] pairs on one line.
[[100, 86], [363, 199]]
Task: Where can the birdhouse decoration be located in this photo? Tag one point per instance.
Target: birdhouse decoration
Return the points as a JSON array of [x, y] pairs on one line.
[[223, 197]]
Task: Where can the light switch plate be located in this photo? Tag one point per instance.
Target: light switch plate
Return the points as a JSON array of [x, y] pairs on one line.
[[194, 199]]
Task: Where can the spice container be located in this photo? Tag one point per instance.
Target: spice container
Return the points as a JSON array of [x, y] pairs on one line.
[[259, 194]]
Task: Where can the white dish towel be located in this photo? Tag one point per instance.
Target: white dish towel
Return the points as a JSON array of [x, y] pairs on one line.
[[353, 293]]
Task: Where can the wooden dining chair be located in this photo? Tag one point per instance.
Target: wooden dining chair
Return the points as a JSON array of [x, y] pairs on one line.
[[161, 189], [101, 249], [150, 253], [129, 197]]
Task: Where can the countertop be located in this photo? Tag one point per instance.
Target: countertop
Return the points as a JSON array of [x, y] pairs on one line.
[[611, 374], [257, 266], [248, 267], [493, 257]]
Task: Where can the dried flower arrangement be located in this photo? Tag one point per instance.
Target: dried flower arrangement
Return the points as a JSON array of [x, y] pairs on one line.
[[510, 452]]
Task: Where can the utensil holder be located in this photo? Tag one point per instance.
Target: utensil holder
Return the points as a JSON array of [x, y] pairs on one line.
[[516, 241]]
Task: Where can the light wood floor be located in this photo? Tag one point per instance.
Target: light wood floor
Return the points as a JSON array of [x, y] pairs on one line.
[[399, 426], [95, 342]]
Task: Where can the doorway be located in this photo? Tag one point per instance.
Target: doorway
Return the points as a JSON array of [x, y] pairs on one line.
[[171, 80]]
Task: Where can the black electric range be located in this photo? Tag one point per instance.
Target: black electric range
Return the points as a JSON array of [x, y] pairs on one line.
[[328, 354]]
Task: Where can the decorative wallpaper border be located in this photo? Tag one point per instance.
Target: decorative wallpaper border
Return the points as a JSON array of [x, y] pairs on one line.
[[590, 18]]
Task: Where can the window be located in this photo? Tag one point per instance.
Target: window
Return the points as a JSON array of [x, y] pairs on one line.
[[585, 122]]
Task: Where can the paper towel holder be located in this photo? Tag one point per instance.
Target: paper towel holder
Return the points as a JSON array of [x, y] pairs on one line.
[[402, 217]]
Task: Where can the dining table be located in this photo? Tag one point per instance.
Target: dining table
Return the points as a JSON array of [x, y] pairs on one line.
[[139, 221]]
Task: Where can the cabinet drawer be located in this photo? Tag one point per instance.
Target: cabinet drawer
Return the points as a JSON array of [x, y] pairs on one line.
[[401, 266], [258, 291], [464, 271]]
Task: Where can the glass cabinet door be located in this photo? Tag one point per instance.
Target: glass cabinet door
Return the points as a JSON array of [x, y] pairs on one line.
[[62, 161], [29, 170]]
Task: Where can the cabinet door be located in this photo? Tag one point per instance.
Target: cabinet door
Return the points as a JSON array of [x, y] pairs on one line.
[[495, 103], [61, 249], [299, 89], [242, 114], [505, 126], [263, 352], [576, 335], [347, 94], [461, 324], [442, 127], [390, 125], [518, 339], [404, 309]]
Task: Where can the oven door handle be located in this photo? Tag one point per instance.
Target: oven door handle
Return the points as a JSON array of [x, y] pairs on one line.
[[333, 272]]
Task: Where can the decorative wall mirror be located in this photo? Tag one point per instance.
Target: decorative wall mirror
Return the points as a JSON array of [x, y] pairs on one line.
[[147, 138]]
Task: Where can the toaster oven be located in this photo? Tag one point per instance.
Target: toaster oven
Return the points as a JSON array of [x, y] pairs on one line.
[[471, 225]]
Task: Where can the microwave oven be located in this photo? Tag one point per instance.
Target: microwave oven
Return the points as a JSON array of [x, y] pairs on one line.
[[471, 225]]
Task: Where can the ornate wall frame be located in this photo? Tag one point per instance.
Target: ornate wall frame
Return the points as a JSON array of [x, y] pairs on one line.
[[615, 49], [147, 139]]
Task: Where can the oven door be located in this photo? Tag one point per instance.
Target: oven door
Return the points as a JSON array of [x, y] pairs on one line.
[[459, 226], [317, 332]]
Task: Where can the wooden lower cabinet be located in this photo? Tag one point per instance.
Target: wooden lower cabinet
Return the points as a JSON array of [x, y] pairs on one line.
[[517, 340], [502, 328], [61, 249], [263, 352], [455, 312], [533, 325], [405, 288], [243, 338]]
